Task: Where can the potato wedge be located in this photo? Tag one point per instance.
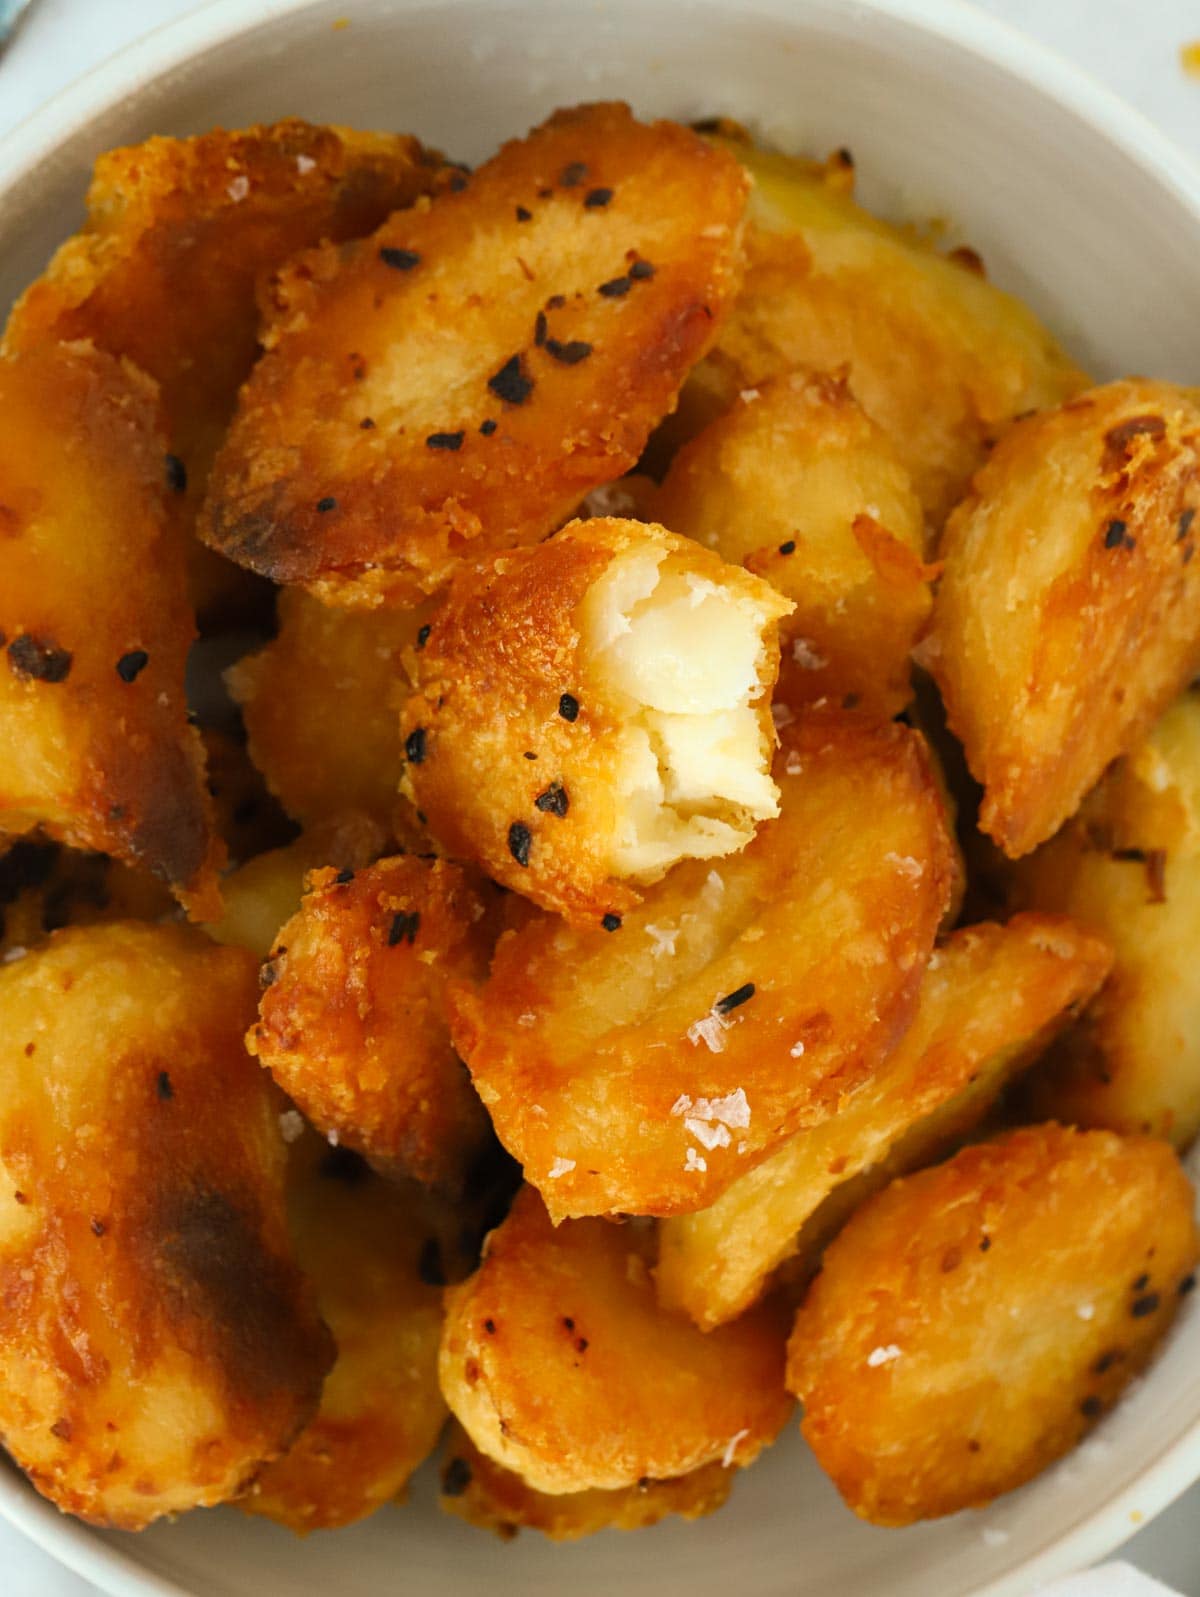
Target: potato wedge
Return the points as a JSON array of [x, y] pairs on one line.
[[991, 999], [589, 712], [157, 1342], [560, 1365], [972, 1322], [44, 887], [796, 483], [94, 742], [353, 1023], [484, 1493], [763, 995], [457, 384], [1066, 620]]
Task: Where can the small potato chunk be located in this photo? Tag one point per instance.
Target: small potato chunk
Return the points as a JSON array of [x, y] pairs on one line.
[[797, 484], [937, 356], [973, 1321], [1066, 620], [375, 1252], [484, 1493], [353, 1023], [991, 999], [588, 713], [643, 1070], [561, 1366], [157, 1342], [455, 385], [95, 746]]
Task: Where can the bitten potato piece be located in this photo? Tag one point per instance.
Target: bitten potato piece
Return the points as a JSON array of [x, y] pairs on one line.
[[588, 713], [796, 483], [972, 1322], [376, 1253], [643, 1070], [44, 887], [484, 1493], [1066, 619], [321, 707], [456, 384], [990, 1001], [157, 1342], [560, 1365], [95, 746], [353, 1023], [165, 270], [937, 356]]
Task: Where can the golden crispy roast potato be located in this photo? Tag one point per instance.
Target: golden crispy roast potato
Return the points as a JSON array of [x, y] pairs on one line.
[[484, 1493], [937, 356], [589, 712], [44, 887], [990, 1000], [353, 1023], [157, 1342], [94, 742], [378, 1254], [973, 1321], [178, 233], [1066, 618], [643, 1070], [458, 382], [561, 1366], [799, 485]]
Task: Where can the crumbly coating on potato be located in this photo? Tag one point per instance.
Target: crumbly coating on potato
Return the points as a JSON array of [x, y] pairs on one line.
[[353, 1023], [44, 887], [1065, 620], [972, 1322], [378, 1254], [95, 746], [589, 712], [937, 356], [157, 1342], [798, 484], [643, 1070], [485, 1494], [991, 999], [321, 707], [456, 384], [560, 1365]]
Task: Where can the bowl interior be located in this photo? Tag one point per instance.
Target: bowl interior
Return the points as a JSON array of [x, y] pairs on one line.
[[1074, 205]]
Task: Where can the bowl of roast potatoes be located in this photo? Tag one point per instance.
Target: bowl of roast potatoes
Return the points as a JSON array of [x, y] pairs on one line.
[[599, 850]]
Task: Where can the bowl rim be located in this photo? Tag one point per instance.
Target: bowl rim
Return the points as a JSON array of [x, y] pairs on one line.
[[167, 47]]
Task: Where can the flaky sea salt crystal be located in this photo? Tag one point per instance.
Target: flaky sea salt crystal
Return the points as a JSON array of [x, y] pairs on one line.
[[707, 1135], [291, 1125], [906, 864], [561, 1167], [694, 1161], [882, 1355], [304, 163], [709, 1031], [663, 938], [806, 657], [731, 1447], [238, 189]]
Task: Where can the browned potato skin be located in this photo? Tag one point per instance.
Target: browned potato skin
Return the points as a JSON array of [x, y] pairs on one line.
[[1065, 620], [353, 1023], [413, 351], [991, 999], [44, 887], [165, 270], [977, 1271], [98, 762], [157, 1342], [832, 931], [560, 1365], [797, 483], [485, 1494]]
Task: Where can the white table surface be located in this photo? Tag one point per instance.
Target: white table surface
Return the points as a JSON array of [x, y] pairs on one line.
[[1131, 44]]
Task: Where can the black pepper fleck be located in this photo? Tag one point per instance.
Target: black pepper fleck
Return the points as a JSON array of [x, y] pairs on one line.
[[734, 999], [553, 801], [456, 1477], [611, 922], [1106, 1361], [1091, 1408], [1188, 1284], [615, 288], [1114, 535], [788, 548], [326, 504], [414, 746], [487, 428], [366, 424], [130, 666], [400, 260], [595, 199], [568, 707], [344, 877], [176, 474], [423, 635], [523, 215], [520, 840], [1185, 524], [530, 755], [539, 329], [444, 441], [568, 1322], [581, 1344], [570, 353], [98, 1228], [1141, 1283], [457, 183], [640, 271], [510, 383], [404, 928], [985, 1244], [39, 659], [573, 174], [1144, 1305], [165, 1089], [429, 1263]]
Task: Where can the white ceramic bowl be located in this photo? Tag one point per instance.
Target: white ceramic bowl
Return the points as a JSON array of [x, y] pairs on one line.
[[1076, 203]]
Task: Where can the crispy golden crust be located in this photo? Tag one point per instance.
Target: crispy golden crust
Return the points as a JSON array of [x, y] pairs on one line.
[[561, 1366], [353, 1023], [799, 485], [156, 1339], [1064, 623], [830, 913], [485, 1494], [972, 1322], [411, 345], [94, 741], [44, 887], [990, 1001]]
